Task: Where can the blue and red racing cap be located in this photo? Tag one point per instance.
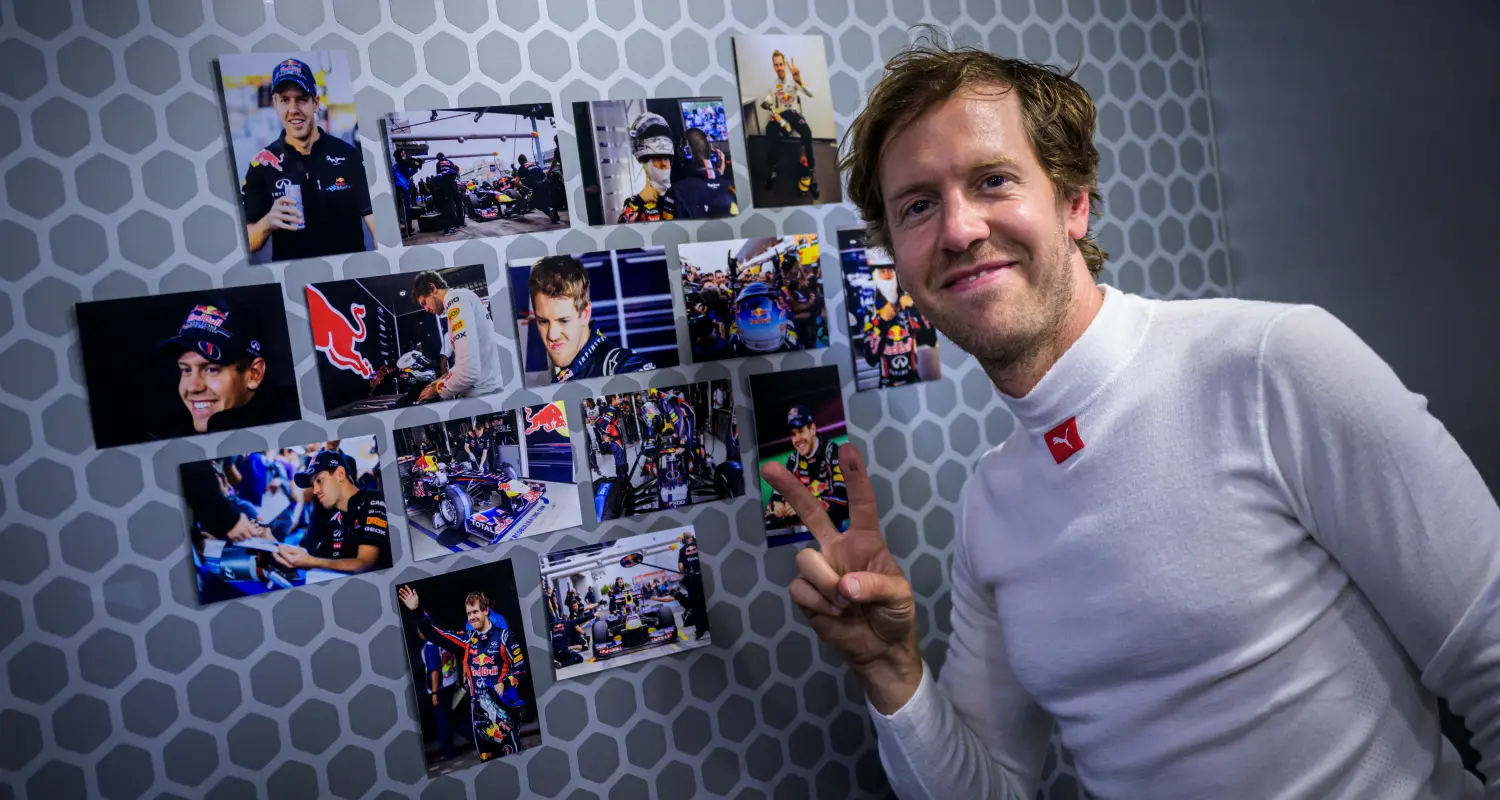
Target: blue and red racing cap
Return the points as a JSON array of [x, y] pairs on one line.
[[217, 333], [324, 461], [294, 71]]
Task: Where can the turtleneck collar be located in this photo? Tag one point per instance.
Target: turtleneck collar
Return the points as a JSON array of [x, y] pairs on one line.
[[1106, 347]]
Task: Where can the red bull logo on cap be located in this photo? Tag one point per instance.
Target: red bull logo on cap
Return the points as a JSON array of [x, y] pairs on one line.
[[335, 337], [291, 63], [550, 418], [266, 158]]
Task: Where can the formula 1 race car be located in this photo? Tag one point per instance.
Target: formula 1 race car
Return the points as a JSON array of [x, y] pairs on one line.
[[632, 629], [453, 492]]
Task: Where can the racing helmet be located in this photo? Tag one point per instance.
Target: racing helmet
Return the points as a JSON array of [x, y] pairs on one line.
[[650, 137], [760, 318]]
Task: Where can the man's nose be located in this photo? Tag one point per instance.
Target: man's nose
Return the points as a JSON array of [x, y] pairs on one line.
[[962, 221]]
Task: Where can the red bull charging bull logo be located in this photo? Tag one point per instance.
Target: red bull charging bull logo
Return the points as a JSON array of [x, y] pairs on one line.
[[759, 314], [550, 418], [267, 158], [335, 337]]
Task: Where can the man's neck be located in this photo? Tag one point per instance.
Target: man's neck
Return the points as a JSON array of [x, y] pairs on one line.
[[1018, 378], [486, 628], [343, 502], [303, 146]]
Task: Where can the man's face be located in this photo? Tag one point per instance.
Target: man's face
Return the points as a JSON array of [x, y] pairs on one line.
[[564, 329], [207, 388], [431, 303], [327, 487], [779, 64], [479, 616], [297, 110], [805, 439], [981, 240]]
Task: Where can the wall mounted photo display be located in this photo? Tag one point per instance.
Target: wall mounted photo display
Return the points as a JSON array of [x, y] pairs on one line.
[[591, 315], [469, 173], [892, 343], [285, 517], [478, 481], [749, 297], [649, 160], [799, 422], [170, 365], [471, 671], [393, 341], [662, 448], [786, 108], [294, 140], [624, 601]]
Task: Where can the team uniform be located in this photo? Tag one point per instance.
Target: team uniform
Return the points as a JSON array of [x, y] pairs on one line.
[[445, 190], [785, 99], [607, 431], [892, 344], [821, 474], [707, 193], [339, 534], [637, 209], [494, 664], [692, 586], [471, 346], [535, 180], [599, 358], [335, 196]]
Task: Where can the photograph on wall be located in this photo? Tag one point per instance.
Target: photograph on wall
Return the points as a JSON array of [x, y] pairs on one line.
[[285, 517], [294, 140], [471, 672], [786, 107], [170, 365], [648, 160], [591, 315], [662, 448], [393, 341], [799, 422], [892, 343], [624, 601], [468, 173], [473, 482], [749, 297]]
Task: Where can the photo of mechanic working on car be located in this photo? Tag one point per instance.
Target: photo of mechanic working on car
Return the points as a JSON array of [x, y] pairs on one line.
[[892, 342], [393, 341], [799, 424], [662, 448], [750, 297], [276, 519], [624, 601], [592, 315], [486, 699], [467, 173], [478, 481]]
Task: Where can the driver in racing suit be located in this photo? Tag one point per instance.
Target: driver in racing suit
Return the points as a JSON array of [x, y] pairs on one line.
[[893, 331], [784, 101], [651, 141], [494, 668], [475, 368], [563, 315], [814, 461], [607, 432]]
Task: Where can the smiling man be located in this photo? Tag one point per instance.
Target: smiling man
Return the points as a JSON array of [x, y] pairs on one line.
[[564, 318], [221, 373], [1224, 550], [306, 192]]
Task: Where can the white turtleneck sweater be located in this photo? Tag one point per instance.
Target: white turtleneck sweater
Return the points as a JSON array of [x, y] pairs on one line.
[[1251, 580]]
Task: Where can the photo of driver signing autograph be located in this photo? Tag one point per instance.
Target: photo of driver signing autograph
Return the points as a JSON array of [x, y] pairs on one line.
[[573, 322], [194, 362], [799, 424], [293, 128], [272, 520]]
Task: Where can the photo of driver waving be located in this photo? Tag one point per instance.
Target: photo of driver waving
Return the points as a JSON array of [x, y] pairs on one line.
[[354, 536], [470, 345]]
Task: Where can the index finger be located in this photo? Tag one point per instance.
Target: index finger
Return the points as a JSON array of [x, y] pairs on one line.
[[809, 509], [863, 512]]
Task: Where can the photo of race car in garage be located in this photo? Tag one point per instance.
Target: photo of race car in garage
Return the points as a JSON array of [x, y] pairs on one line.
[[624, 601], [462, 481], [663, 448]]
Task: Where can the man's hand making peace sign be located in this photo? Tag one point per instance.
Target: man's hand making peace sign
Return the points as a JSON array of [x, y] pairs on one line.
[[850, 588]]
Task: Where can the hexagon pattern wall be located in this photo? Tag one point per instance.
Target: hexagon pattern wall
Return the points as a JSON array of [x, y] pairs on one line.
[[117, 182]]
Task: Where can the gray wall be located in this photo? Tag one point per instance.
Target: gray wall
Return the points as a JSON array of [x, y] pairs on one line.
[[117, 182], [1361, 172]]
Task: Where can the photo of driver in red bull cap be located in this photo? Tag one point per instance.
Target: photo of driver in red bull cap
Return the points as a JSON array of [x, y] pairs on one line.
[[304, 191], [195, 362], [799, 423]]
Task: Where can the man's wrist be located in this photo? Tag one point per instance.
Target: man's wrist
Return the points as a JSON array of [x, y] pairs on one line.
[[891, 680]]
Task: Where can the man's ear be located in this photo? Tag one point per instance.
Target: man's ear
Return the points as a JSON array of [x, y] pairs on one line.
[[255, 374], [587, 314], [1078, 215]]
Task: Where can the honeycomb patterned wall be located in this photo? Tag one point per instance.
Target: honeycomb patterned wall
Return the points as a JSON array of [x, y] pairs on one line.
[[118, 182]]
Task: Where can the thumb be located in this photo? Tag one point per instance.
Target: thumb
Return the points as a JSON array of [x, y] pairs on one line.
[[875, 589]]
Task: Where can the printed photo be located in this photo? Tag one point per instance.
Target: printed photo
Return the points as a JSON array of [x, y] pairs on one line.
[[799, 422], [398, 340], [170, 365], [663, 448], [653, 160], [470, 670], [892, 343], [624, 601], [786, 106], [293, 135], [750, 297], [467, 173], [473, 482], [281, 518], [592, 315]]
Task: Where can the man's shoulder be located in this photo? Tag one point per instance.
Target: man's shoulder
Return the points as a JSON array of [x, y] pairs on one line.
[[1209, 331], [338, 146]]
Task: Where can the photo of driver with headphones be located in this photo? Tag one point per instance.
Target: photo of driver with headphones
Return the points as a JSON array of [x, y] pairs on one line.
[[748, 297]]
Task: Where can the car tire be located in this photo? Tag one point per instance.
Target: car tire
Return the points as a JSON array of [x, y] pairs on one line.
[[455, 508]]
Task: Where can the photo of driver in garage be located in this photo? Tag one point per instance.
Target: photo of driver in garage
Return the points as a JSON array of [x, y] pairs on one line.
[[653, 601], [471, 346]]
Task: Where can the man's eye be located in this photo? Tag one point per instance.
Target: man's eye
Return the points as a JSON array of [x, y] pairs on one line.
[[995, 181], [918, 207]]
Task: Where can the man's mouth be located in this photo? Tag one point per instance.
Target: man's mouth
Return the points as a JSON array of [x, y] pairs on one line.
[[555, 345], [971, 277], [202, 408]]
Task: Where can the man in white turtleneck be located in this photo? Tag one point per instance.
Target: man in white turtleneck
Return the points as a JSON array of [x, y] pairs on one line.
[[1224, 549]]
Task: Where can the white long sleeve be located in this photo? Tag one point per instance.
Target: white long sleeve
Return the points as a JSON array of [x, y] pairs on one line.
[[1248, 580], [475, 365]]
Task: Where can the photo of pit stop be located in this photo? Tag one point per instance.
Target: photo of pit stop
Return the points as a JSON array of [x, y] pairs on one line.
[[479, 481], [282, 518], [467, 173], [624, 601], [799, 422], [394, 341], [893, 344], [471, 671], [662, 448], [294, 138], [748, 297]]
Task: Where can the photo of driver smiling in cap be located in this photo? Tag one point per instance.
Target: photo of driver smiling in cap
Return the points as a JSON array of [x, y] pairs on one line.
[[221, 371]]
